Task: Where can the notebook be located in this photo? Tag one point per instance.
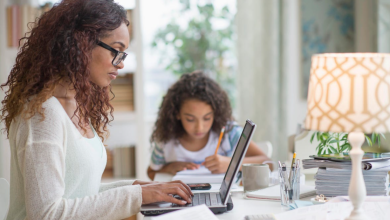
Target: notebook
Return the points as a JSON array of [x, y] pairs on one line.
[[194, 176], [273, 193]]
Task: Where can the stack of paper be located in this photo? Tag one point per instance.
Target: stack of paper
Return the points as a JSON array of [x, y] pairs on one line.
[[335, 182], [201, 175], [273, 193]]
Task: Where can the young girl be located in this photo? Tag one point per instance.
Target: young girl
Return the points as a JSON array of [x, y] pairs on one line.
[[56, 110], [188, 126]]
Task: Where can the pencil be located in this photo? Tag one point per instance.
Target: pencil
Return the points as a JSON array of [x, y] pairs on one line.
[[293, 160], [292, 165], [219, 141]]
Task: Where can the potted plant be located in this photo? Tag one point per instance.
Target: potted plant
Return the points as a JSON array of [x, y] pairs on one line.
[[337, 143]]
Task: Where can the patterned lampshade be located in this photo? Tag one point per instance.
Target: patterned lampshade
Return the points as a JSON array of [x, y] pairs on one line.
[[349, 92]]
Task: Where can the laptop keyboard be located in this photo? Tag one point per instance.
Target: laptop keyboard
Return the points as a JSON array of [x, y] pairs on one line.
[[199, 199]]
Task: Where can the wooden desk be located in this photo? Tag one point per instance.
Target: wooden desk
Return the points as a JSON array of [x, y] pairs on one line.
[[242, 206]]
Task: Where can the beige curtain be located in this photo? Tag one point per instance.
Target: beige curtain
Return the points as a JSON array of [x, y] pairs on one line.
[[261, 81]]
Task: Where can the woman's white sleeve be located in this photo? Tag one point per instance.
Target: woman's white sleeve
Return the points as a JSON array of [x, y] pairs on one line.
[[41, 157], [116, 184]]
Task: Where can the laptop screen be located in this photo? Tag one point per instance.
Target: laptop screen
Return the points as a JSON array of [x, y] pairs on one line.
[[236, 160]]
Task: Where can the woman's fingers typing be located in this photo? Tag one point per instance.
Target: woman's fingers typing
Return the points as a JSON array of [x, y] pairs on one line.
[[174, 200], [162, 192], [188, 189], [182, 192]]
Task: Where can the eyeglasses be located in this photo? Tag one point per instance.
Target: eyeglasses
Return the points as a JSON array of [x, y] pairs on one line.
[[119, 56]]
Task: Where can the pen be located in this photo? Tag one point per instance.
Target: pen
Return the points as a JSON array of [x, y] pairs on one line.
[[292, 165], [298, 165], [285, 176], [293, 176], [219, 141], [285, 180]]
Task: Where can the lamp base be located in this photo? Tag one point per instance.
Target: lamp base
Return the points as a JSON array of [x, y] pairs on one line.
[[357, 188], [357, 215]]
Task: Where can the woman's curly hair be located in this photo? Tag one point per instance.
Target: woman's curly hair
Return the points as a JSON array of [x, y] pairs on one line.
[[195, 85], [59, 48]]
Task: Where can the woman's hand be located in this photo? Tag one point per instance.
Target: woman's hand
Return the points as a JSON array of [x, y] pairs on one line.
[[217, 163], [175, 167], [162, 192]]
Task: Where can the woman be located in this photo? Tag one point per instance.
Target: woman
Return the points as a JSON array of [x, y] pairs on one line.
[[56, 112]]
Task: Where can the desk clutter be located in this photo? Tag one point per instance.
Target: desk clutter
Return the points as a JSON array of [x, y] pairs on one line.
[[290, 187], [273, 193], [289, 179], [333, 177]]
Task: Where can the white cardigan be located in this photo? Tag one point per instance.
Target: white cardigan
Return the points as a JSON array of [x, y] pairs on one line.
[[56, 173]]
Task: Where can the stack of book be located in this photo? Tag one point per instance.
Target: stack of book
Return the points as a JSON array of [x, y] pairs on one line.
[[124, 162], [123, 97], [18, 21], [333, 178]]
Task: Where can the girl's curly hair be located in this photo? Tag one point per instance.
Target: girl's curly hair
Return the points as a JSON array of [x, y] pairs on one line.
[[59, 48], [195, 85]]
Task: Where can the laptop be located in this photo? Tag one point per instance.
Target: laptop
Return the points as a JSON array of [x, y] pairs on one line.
[[217, 202]]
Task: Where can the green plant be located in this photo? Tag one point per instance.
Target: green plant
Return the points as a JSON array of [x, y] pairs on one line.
[[338, 142], [199, 45]]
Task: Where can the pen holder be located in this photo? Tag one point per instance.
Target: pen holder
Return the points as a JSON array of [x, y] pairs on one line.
[[289, 185]]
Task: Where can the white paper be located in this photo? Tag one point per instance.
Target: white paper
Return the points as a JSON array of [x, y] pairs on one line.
[[336, 211], [200, 212], [201, 175], [202, 170]]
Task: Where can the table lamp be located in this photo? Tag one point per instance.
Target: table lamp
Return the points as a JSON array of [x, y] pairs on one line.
[[350, 93]]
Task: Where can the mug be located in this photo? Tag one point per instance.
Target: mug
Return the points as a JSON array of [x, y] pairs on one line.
[[255, 176]]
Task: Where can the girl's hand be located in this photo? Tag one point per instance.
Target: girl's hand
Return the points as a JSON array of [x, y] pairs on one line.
[[162, 192], [175, 167], [217, 163]]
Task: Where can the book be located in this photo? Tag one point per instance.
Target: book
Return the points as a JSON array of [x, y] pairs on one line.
[[273, 193], [117, 162], [9, 26], [124, 162], [370, 165], [129, 15], [19, 18]]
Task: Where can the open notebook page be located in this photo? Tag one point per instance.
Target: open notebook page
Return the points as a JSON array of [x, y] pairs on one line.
[[201, 175], [201, 171]]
